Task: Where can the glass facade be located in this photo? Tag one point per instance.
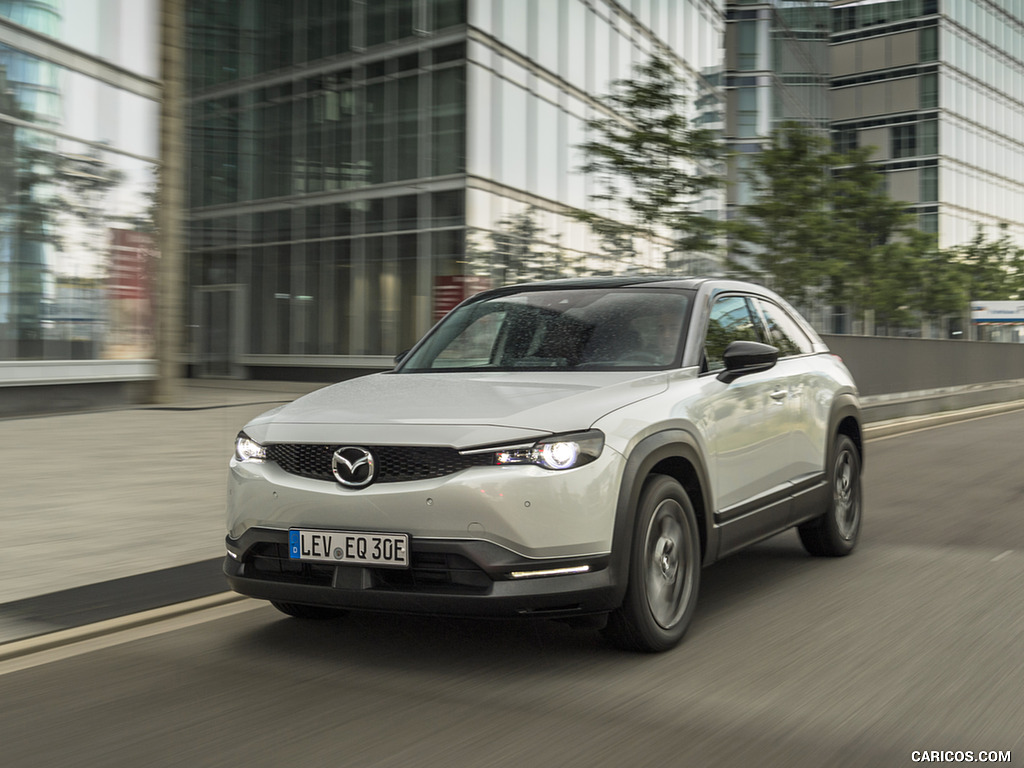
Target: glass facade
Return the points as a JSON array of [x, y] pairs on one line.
[[79, 118], [937, 88], [357, 168], [776, 72]]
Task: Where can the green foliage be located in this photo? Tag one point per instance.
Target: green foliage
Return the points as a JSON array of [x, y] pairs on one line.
[[785, 232], [990, 270], [943, 290], [516, 251], [822, 225], [512, 243], [650, 164]]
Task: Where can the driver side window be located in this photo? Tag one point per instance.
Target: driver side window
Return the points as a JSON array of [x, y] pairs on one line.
[[731, 319]]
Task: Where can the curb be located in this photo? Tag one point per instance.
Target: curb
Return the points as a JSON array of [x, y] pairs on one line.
[[877, 429]]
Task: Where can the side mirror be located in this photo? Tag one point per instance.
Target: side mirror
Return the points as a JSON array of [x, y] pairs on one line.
[[744, 357]]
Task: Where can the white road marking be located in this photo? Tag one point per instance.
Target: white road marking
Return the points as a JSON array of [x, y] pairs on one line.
[[871, 439], [997, 558], [66, 644]]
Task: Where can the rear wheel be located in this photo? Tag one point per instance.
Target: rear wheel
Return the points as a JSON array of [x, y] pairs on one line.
[[302, 611], [664, 571], [835, 533]]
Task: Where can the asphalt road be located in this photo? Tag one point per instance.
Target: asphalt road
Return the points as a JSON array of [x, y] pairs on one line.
[[915, 642]]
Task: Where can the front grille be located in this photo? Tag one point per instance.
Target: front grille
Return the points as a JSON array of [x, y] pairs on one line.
[[271, 562], [394, 463], [429, 571], [433, 572]]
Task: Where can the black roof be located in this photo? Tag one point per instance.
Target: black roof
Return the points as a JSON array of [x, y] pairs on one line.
[[614, 281]]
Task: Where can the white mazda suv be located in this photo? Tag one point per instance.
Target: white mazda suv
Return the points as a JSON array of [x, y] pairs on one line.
[[575, 450]]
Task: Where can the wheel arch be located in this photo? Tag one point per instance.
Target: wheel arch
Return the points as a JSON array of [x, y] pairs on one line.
[[845, 419], [674, 453]]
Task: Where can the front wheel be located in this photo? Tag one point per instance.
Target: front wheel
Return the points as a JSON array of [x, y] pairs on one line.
[[834, 534], [664, 571]]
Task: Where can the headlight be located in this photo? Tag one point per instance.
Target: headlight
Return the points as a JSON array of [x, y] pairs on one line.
[[247, 449], [556, 452]]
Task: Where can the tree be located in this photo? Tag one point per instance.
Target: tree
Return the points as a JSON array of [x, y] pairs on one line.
[[992, 270], [651, 165], [822, 224], [782, 236], [520, 251], [942, 288], [873, 237], [889, 287], [512, 244]]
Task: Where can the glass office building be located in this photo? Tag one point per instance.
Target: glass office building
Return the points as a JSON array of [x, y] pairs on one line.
[[776, 71], [356, 168], [79, 120], [936, 87]]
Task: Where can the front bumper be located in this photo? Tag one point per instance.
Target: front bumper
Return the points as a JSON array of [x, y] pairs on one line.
[[535, 512], [456, 577]]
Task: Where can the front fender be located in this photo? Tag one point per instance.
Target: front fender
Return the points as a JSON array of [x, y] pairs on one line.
[[673, 447], [845, 406]]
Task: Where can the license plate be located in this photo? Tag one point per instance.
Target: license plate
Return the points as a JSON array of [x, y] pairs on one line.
[[388, 550]]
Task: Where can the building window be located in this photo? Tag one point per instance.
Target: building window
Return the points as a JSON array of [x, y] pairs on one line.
[[929, 223], [844, 19], [904, 140], [929, 184], [449, 208], [407, 116], [844, 140], [449, 13], [746, 53], [746, 113], [929, 137], [449, 118], [928, 44], [877, 12], [929, 92]]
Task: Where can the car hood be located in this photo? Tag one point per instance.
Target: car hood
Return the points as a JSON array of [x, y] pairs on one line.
[[456, 409]]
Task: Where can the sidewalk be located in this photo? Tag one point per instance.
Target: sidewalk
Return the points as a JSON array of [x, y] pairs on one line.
[[91, 497]]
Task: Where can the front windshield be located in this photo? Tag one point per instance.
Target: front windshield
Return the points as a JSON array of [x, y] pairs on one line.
[[559, 330]]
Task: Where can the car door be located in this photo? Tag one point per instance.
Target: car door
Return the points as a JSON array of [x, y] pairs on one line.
[[807, 399], [748, 429]]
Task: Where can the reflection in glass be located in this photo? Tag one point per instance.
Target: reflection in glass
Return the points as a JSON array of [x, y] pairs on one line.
[[731, 319], [353, 168], [593, 329], [77, 241], [449, 120], [513, 135]]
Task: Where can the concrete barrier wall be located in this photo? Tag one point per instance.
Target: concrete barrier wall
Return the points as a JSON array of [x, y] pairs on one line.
[[897, 377], [884, 366]]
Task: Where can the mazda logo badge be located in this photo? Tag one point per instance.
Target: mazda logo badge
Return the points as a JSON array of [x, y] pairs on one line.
[[353, 467]]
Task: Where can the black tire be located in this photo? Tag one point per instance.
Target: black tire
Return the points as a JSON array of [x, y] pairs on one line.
[[664, 571], [835, 533], [302, 611]]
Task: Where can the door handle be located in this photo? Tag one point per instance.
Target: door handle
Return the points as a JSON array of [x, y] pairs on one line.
[[779, 396]]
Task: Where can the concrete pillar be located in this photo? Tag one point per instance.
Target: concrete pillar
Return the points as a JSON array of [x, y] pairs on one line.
[[170, 277]]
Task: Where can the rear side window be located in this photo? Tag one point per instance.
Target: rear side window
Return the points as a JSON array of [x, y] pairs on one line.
[[732, 319], [785, 332]]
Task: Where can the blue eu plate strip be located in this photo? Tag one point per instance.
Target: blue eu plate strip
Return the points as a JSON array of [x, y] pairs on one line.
[[293, 545]]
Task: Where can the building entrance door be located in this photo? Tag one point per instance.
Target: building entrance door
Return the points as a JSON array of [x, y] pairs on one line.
[[219, 341]]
